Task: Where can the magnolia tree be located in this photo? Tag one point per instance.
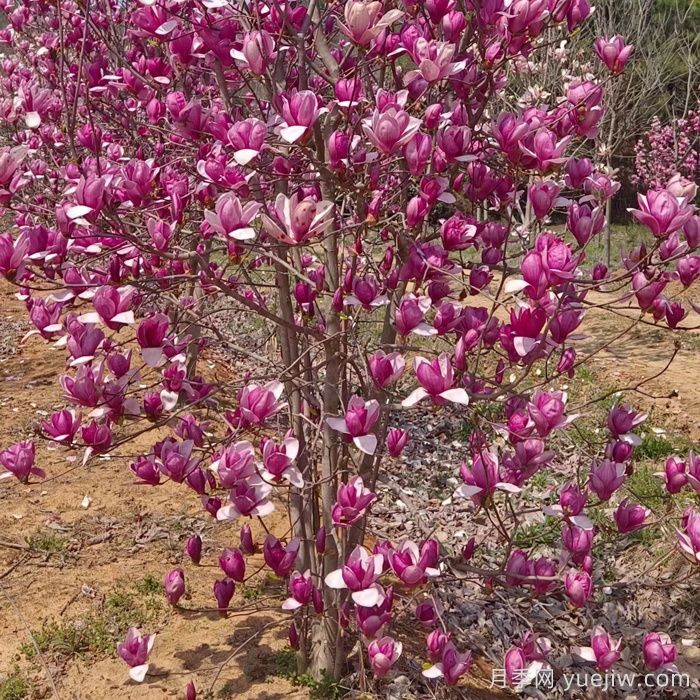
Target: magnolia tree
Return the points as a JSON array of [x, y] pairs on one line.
[[349, 177]]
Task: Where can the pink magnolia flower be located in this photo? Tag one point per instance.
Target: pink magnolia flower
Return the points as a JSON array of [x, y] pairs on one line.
[[193, 548], [482, 479], [572, 501], [278, 460], [622, 419], [174, 585], [247, 137], [689, 535], [383, 654], [363, 21], [547, 151], [300, 112], [297, 221], [372, 620], [235, 463], [693, 474], [434, 60], [659, 652], [257, 53], [578, 587], [604, 652], [543, 197], [390, 129], [365, 293], [605, 478], [223, 592], [452, 666], [396, 440], [662, 212], [386, 369], [18, 459], [674, 474], [410, 314], [232, 563], [249, 498], [231, 218], [135, 650], [279, 558], [301, 589], [360, 417], [630, 516], [150, 335], [256, 403], [547, 410], [61, 426], [613, 52], [112, 307], [352, 502], [359, 575], [437, 382], [415, 566]]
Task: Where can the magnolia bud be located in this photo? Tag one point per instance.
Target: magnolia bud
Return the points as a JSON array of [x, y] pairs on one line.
[[193, 548], [321, 540], [174, 585], [190, 691], [232, 563]]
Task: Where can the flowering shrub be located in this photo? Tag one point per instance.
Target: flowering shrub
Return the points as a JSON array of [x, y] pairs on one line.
[[352, 178], [667, 149]]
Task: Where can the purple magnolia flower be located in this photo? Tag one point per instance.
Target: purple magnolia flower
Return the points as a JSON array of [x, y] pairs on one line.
[[258, 403], [435, 644], [452, 666], [278, 557], [413, 565], [174, 585], [622, 420], [193, 548], [352, 502], [584, 222], [693, 475], [578, 587], [689, 534], [604, 652], [543, 197], [61, 426], [360, 417], [135, 650], [176, 460], [301, 589], [410, 316], [359, 575], [605, 478], [547, 410], [675, 474], [572, 501], [437, 382], [386, 369], [372, 620], [365, 293], [18, 459], [390, 129], [662, 212], [396, 440], [483, 478], [232, 563], [235, 463], [112, 307], [297, 221], [383, 654], [223, 592], [630, 516], [278, 460], [659, 652], [577, 542], [232, 219], [249, 498], [150, 335], [613, 52]]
